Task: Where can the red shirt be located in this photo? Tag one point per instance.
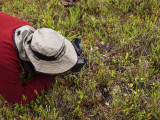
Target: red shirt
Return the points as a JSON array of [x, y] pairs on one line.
[[10, 85]]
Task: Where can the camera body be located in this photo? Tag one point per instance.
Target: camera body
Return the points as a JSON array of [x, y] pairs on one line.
[[78, 48]]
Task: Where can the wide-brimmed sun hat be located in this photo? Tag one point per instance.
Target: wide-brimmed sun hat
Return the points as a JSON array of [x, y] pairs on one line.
[[47, 50]]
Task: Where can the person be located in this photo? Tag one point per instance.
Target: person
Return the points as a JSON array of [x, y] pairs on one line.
[[43, 52]]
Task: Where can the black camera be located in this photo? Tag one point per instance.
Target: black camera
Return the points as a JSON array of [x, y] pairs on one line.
[[78, 48]]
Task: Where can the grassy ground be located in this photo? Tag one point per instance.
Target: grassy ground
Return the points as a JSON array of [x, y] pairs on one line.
[[121, 79]]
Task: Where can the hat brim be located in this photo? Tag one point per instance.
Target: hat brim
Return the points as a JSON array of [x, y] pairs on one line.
[[63, 64]]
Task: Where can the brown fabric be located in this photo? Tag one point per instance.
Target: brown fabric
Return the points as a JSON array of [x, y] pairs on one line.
[[68, 2]]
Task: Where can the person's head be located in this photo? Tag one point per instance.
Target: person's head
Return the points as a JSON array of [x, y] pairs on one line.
[[51, 53]]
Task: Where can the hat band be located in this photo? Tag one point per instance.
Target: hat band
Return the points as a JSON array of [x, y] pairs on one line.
[[49, 58], [43, 57]]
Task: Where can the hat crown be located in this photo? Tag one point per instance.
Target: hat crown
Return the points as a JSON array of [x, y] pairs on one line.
[[47, 42]]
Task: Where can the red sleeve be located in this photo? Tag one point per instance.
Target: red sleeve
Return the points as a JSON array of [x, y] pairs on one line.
[[12, 89], [38, 84]]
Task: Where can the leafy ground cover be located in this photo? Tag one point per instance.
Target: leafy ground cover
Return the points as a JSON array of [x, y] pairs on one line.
[[121, 79]]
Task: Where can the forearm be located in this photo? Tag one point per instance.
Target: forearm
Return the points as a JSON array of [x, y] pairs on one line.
[[35, 86], [14, 91]]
